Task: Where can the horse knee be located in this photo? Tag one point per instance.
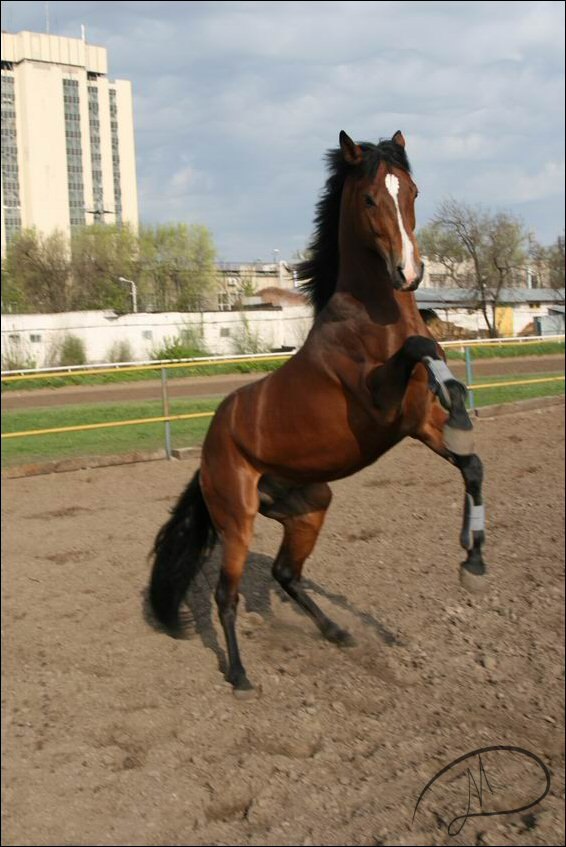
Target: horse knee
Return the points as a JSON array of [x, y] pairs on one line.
[[417, 347], [319, 497], [283, 572]]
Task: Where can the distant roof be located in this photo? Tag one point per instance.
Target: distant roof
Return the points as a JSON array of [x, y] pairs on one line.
[[446, 298]]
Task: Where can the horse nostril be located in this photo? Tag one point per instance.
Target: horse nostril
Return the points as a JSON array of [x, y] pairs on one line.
[[404, 283]]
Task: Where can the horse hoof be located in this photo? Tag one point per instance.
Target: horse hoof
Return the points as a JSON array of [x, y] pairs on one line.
[[244, 694], [339, 636], [475, 583], [242, 687], [347, 640], [458, 441]]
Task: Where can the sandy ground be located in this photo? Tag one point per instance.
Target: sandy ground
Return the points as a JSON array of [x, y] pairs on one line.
[[115, 734], [218, 386]]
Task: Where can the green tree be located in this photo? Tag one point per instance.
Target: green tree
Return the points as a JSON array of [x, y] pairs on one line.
[[177, 266], [101, 254], [36, 273], [173, 266], [481, 251]]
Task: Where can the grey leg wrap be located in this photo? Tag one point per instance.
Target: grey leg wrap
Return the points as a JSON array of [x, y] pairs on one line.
[[441, 376], [452, 394], [473, 528], [472, 537]]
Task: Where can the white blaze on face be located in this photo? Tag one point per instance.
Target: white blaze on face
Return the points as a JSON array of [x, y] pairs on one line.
[[407, 259]]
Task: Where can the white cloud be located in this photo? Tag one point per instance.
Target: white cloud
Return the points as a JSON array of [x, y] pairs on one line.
[[236, 102], [512, 185]]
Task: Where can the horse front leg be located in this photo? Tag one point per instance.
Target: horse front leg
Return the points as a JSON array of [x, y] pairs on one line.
[[472, 536], [448, 431], [388, 384]]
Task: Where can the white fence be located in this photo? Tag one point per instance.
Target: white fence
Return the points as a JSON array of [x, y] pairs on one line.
[[70, 369]]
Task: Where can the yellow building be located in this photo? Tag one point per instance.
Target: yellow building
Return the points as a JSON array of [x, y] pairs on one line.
[[68, 155]]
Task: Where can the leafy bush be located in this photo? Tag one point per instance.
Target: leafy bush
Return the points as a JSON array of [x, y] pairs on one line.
[[71, 351], [121, 351], [187, 345], [245, 340], [16, 357]]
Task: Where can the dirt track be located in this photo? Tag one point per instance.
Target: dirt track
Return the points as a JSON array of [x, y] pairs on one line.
[[218, 386], [115, 734]]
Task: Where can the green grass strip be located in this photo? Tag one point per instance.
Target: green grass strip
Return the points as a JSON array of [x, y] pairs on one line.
[[184, 433]]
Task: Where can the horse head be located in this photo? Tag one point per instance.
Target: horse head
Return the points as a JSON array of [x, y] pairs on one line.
[[378, 207]]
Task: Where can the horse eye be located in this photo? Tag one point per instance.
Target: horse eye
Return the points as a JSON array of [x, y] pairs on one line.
[[369, 201]]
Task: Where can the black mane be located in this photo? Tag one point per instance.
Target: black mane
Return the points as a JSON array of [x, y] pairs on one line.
[[319, 272]]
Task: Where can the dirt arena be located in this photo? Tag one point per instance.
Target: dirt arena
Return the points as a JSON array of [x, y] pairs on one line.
[[116, 734]]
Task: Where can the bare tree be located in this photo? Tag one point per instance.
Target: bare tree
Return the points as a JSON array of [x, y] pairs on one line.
[[548, 264], [481, 251]]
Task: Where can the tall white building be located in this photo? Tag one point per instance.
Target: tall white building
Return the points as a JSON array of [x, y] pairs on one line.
[[68, 155]]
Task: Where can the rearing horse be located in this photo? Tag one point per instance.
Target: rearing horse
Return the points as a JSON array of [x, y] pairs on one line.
[[368, 375]]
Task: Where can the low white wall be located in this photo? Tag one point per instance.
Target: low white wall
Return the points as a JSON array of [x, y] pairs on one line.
[[35, 337], [32, 339]]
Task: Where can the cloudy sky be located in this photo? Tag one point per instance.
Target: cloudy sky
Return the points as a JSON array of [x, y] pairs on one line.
[[236, 102]]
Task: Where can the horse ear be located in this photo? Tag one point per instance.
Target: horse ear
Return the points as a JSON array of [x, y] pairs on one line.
[[399, 138], [351, 151]]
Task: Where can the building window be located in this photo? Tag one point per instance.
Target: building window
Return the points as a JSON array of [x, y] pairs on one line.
[[10, 172], [74, 152], [95, 154], [115, 155], [224, 331], [147, 334], [14, 338], [34, 338]]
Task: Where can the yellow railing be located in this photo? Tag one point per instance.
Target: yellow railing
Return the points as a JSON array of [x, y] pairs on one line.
[[168, 418], [106, 425]]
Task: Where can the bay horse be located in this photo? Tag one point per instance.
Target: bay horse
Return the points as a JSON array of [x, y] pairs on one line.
[[368, 375]]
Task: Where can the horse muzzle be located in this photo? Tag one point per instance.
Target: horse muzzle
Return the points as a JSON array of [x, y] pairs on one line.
[[401, 283]]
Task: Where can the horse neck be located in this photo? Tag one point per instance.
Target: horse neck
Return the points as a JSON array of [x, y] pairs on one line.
[[392, 316], [362, 273]]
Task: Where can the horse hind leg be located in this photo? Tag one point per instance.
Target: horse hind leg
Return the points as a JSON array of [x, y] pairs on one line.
[[301, 511], [232, 498]]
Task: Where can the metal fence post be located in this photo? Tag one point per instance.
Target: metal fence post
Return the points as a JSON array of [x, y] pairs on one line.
[[165, 405], [469, 377]]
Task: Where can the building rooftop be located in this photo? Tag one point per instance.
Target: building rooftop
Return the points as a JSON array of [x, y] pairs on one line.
[[55, 49], [463, 298]]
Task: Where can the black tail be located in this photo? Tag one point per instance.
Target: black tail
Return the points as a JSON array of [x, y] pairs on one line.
[[181, 548]]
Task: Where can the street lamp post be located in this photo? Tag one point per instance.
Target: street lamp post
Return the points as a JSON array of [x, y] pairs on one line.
[[134, 289]]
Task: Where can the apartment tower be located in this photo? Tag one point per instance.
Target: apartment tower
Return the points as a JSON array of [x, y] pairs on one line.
[[68, 155]]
